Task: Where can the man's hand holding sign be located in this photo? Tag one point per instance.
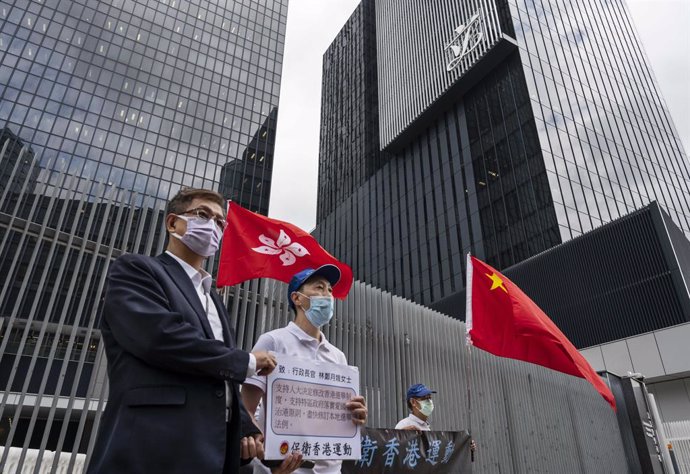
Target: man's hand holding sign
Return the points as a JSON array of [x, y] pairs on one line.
[[358, 406], [313, 407]]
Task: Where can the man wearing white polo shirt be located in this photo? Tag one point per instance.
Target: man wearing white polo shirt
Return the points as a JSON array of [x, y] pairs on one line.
[[310, 297], [421, 405]]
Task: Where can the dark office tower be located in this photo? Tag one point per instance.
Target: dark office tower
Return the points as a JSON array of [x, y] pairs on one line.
[[349, 149], [247, 181], [120, 103], [17, 163], [512, 127]]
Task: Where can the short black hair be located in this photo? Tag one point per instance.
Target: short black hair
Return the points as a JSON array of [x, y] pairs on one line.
[[181, 201]]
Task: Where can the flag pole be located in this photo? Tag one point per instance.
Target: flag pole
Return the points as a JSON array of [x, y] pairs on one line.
[[468, 349], [468, 377]]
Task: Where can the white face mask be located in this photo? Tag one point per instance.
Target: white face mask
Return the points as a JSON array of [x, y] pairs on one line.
[[426, 407], [201, 237]]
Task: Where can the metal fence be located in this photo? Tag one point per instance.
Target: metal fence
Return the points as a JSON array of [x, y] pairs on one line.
[[524, 418], [58, 235], [677, 433]]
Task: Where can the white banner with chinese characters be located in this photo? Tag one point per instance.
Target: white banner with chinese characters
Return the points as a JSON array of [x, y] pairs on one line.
[[305, 410]]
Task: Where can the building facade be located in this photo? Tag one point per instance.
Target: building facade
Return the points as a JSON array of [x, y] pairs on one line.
[[107, 109], [149, 96], [247, 180], [627, 277], [512, 126], [349, 150], [511, 129], [19, 160]]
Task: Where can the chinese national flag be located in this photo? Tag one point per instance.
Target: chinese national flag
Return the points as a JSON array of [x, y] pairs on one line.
[[255, 246], [502, 320]]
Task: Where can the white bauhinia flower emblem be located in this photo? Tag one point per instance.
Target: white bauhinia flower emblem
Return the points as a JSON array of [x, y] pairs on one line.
[[286, 248]]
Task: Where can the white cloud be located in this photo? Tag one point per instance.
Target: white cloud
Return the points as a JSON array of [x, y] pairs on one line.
[[311, 27], [662, 26]]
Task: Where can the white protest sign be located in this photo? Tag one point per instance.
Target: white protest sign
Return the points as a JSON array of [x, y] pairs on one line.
[[305, 410]]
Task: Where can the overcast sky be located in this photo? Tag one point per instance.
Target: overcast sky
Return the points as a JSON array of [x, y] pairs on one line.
[[313, 24]]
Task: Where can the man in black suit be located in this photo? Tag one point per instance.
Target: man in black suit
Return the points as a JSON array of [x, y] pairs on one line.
[[173, 367]]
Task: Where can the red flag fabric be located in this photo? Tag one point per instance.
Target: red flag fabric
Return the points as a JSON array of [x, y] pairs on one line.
[[255, 246], [504, 321]]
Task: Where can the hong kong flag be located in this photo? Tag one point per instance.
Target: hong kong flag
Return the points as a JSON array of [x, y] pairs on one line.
[[501, 319], [255, 246]]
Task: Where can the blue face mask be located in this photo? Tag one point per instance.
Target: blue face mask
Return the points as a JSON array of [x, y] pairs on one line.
[[320, 309]]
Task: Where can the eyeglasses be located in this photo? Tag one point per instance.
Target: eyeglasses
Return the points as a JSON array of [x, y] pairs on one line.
[[207, 215]]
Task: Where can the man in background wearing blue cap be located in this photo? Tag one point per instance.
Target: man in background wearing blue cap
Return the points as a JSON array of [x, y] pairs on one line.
[[421, 405], [310, 297]]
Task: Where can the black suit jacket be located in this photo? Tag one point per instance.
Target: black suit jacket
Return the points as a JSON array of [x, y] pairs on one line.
[[167, 373]]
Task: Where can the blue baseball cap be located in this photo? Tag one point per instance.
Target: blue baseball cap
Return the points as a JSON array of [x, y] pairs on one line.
[[328, 271], [419, 390]]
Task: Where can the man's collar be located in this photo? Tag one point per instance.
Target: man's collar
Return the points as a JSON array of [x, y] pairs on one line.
[[418, 419], [303, 336], [194, 274]]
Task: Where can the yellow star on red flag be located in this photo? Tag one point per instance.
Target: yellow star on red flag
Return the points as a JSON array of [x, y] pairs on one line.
[[516, 328], [496, 282]]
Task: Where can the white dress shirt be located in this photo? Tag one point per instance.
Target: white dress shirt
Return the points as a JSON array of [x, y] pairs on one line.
[[201, 280]]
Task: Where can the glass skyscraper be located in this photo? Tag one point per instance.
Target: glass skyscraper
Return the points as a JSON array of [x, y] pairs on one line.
[[349, 145], [509, 127], [149, 96], [107, 108]]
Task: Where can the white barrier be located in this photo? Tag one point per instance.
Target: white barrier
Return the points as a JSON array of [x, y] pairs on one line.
[[678, 434], [46, 462]]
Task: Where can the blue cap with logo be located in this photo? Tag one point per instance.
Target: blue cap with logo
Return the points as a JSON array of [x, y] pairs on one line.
[[419, 390], [328, 271]]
